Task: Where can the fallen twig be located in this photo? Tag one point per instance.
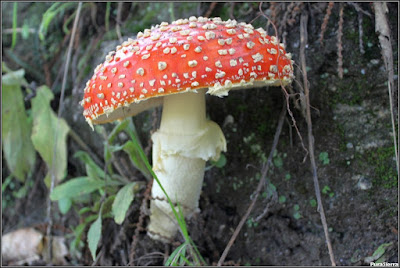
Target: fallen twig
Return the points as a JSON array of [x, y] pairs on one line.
[[259, 187], [303, 42]]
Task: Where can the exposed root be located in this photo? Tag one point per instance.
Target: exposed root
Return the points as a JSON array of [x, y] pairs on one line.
[[339, 43], [325, 22]]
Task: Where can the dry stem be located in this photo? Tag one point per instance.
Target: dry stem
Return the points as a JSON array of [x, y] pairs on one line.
[[303, 42]]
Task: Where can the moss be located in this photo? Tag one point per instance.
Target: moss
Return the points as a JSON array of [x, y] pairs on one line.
[[384, 168]]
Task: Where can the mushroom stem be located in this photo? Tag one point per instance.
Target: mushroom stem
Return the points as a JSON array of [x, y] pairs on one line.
[[181, 147]]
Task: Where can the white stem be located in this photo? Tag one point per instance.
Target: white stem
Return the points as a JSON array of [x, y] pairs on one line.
[[181, 147], [184, 114]]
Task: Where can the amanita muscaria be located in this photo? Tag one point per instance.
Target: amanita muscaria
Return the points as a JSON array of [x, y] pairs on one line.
[[174, 65]]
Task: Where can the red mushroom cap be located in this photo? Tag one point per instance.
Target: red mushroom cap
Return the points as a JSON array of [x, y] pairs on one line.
[[186, 55]]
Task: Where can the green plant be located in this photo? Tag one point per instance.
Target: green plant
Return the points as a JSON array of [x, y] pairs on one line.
[[25, 135], [327, 190], [251, 223], [110, 199], [324, 158], [296, 213], [381, 159]]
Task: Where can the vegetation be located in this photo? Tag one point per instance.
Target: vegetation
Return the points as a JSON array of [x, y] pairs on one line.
[[98, 181]]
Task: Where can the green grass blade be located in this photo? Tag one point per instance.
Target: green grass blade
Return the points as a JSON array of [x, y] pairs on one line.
[[14, 25]]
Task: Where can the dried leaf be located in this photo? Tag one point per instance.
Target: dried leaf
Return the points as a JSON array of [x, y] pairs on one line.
[[23, 244]]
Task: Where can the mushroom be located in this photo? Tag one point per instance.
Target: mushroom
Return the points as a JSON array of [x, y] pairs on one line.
[[174, 65]]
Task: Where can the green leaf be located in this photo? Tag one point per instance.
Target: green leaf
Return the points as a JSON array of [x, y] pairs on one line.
[[122, 202], [84, 210], [221, 162], [76, 187], [64, 204], [173, 258], [121, 126], [133, 152], [324, 158], [25, 31], [45, 126], [378, 253], [92, 169], [77, 241], [297, 215], [16, 131], [278, 162], [94, 235], [326, 189], [49, 15], [14, 25]]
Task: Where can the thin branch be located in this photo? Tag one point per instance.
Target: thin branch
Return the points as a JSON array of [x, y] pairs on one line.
[[60, 108], [259, 187], [303, 42], [359, 9]]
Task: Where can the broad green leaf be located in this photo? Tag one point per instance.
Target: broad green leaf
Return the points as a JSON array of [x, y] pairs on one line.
[[64, 204], [45, 127], [122, 202], [76, 187], [94, 235], [16, 131]]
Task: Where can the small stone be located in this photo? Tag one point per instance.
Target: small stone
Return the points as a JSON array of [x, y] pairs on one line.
[[349, 145], [364, 183]]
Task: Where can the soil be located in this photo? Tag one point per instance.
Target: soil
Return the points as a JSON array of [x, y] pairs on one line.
[[356, 168]]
